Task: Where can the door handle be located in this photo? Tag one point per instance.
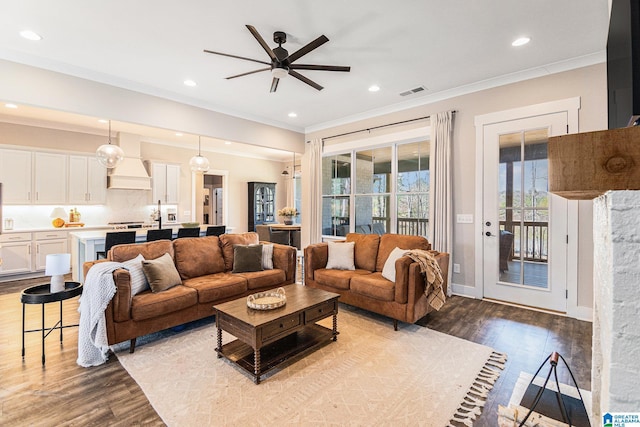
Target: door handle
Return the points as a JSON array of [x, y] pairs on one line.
[[488, 234]]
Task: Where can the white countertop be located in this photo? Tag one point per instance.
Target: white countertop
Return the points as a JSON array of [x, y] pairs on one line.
[[70, 229]]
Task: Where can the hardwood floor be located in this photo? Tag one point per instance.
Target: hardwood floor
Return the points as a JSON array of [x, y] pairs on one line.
[[63, 393]]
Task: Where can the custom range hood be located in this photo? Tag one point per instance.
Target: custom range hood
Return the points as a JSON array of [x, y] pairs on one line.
[[130, 174]]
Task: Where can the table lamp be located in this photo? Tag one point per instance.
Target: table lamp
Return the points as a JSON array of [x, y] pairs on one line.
[[57, 265], [58, 214]]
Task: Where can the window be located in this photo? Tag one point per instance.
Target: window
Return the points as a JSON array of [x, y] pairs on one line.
[[413, 189], [373, 190], [297, 196], [336, 194], [390, 192]]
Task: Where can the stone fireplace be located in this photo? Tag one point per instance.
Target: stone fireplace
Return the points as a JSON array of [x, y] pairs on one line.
[[615, 377]]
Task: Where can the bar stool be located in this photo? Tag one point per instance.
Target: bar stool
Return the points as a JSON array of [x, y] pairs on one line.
[[162, 234], [216, 230], [189, 232], [116, 238]]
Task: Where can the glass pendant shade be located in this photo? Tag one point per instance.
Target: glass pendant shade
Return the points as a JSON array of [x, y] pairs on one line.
[[199, 163], [109, 155]]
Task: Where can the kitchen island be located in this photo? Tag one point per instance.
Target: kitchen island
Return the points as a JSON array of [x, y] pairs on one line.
[[85, 244]]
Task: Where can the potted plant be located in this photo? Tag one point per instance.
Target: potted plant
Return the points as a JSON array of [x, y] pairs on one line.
[[288, 213]]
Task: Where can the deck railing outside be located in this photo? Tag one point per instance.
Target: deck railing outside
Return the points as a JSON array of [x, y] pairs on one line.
[[534, 236]]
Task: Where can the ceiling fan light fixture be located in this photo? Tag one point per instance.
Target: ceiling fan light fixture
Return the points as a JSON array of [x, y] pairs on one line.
[[109, 155], [279, 73]]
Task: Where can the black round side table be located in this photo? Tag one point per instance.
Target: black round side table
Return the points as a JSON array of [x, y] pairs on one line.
[[41, 294]]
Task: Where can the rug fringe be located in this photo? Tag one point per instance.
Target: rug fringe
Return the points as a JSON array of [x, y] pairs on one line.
[[473, 402]]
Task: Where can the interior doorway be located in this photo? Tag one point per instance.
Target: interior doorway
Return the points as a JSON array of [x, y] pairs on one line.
[[213, 200], [209, 202]]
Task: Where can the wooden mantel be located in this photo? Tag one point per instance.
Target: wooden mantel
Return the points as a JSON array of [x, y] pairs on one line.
[[584, 166]]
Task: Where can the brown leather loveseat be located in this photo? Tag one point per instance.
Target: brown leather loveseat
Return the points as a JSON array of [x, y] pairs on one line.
[[365, 287], [205, 265]]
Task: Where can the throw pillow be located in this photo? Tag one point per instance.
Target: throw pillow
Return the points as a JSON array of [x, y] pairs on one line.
[[267, 257], [341, 256], [138, 280], [389, 270], [161, 273], [247, 258]]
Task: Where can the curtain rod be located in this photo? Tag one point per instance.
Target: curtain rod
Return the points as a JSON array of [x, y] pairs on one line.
[[379, 127]]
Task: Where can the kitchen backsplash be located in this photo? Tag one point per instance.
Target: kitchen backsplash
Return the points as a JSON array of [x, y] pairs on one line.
[[122, 205]]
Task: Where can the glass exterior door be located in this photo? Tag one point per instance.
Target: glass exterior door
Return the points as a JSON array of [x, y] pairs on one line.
[[524, 226]]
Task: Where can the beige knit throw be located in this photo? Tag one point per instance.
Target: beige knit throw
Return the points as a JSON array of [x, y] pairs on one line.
[[433, 274]]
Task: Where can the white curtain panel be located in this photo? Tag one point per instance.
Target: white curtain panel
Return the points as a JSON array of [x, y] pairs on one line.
[[315, 174], [441, 214]]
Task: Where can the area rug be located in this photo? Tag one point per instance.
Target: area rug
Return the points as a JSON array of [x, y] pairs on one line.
[[372, 375], [522, 397]]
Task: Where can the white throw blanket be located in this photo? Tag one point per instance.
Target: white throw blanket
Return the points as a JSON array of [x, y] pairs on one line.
[[98, 290]]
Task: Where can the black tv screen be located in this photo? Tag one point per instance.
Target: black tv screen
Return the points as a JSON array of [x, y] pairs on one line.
[[623, 64]]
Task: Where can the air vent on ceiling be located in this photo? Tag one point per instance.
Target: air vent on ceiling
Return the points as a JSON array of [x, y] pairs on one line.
[[412, 91]]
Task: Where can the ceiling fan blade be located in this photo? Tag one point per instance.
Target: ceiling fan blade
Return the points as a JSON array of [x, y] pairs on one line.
[[264, 44], [320, 67], [250, 72], [274, 84], [308, 48], [237, 57], [304, 79]]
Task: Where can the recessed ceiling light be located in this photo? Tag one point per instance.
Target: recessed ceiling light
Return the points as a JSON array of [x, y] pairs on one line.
[[292, 114], [11, 105], [30, 35], [227, 143], [102, 121], [521, 41], [190, 83], [374, 88], [178, 134]]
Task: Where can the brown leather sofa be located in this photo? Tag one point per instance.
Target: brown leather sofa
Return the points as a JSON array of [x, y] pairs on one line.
[[205, 266], [365, 287]]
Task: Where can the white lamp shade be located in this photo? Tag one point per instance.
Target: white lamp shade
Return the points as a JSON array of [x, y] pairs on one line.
[[199, 163], [109, 155], [57, 264], [58, 213]]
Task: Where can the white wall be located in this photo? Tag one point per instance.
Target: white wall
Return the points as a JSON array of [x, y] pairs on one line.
[[135, 205], [32, 86], [588, 83]]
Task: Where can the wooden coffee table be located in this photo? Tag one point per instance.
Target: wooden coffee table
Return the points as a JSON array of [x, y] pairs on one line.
[[266, 339]]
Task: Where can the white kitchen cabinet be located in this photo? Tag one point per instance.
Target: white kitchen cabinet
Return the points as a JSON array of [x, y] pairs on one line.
[[49, 242], [166, 182], [15, 252], [15, 175], [50, 178], [87, 181]]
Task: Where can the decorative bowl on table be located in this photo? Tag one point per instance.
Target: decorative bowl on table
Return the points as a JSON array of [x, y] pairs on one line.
[[267, 300], [190, 224]]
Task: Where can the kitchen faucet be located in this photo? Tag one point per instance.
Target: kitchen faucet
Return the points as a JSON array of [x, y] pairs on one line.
[[159, 216]]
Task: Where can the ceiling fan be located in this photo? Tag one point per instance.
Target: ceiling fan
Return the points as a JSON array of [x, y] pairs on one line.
[[281, 63]]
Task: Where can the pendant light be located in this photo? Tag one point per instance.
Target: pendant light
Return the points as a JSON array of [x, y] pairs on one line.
[[199, 163], [285, 172], [109, 155]]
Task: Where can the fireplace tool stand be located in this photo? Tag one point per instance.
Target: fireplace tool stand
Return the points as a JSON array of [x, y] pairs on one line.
[[553, 358]]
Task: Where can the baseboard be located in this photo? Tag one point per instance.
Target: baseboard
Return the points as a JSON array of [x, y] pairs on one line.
[[581, 313], [465, 291]]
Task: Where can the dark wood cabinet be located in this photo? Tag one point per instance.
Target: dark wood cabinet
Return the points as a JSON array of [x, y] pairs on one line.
[[262, 204]]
